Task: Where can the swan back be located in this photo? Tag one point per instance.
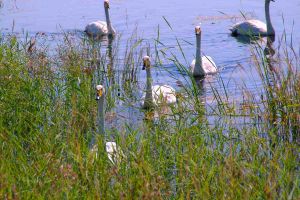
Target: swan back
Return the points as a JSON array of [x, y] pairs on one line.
[[163, 94], [250, 27], [96, 29], [209, 66], [111, 147]]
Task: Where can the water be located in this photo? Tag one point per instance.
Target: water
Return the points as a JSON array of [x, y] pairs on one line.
[[215, 17]]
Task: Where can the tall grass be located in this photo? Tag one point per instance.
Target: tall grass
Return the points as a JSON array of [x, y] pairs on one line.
[[48, 118], [279, 73]]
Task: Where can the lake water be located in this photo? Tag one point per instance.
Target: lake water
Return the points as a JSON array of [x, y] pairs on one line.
[[215, 17]]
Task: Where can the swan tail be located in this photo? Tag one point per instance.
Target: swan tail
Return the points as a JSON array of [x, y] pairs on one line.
[[234, 32]]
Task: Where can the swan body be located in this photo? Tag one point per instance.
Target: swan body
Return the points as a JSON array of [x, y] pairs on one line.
[[202, 65], [250, 27], [157, 94], [208, 65], [161, 94], [101, 28], [255, 27], [96, 29]]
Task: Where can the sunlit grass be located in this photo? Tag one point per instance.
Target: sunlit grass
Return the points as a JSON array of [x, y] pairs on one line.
[[48, 119]]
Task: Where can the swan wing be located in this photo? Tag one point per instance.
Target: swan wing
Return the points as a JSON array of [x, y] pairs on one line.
[[192, 66], [209, 66], [96, 29], [169, 94], [250, 27], [114, 153], [163, 94]]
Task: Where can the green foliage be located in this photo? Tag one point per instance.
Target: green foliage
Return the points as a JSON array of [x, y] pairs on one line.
[[48, 119]]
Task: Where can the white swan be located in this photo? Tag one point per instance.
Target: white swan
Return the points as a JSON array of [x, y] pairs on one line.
[[158, 94], [202, 65], [255, 27], [113, 152], [98, 29]]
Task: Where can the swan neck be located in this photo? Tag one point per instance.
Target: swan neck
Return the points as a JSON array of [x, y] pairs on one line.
[[198, 50], [148, 98], [198, 69], [101, 115], [109, 28], [270, 29]]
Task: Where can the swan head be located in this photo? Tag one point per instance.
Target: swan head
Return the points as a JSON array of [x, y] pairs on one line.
[[106, 3], [197, 30], [99, 91], [146, 62]]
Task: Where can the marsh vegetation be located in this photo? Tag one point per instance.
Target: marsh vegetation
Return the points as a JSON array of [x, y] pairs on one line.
[[197, 148]]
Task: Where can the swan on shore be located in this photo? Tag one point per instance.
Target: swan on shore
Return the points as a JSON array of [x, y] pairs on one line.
[[98, 29], [255, 27], [202, 65]]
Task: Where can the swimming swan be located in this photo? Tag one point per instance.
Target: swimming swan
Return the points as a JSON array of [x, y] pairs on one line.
[[204, 65], [158, 94], [114, 153], [255, 27], [98, 29]]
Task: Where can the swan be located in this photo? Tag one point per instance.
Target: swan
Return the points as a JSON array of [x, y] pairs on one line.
[[100, 28], [204, 65], [157, 94], [113, 152], [255, 27]]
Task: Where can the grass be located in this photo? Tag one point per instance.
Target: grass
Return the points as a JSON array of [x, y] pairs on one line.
[[49, 114]]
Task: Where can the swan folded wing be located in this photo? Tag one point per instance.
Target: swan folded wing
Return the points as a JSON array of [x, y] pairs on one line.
[[163, 94], [209, 66], [114, 153], [192, 66], [97, 28], [250, 27]]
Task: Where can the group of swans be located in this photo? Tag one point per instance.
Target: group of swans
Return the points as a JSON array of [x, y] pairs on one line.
[[250, 27], [165, 94], [200, 66]]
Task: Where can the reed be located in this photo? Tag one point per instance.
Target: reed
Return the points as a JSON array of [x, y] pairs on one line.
[[48, 119]]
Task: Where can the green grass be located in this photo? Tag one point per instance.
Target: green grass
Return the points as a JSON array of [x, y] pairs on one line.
[[49, 114]]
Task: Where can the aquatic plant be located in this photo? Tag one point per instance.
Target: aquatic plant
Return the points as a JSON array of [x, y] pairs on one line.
[[49, 115]]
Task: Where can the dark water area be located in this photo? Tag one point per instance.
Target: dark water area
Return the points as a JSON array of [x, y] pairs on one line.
[[215, 17]]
